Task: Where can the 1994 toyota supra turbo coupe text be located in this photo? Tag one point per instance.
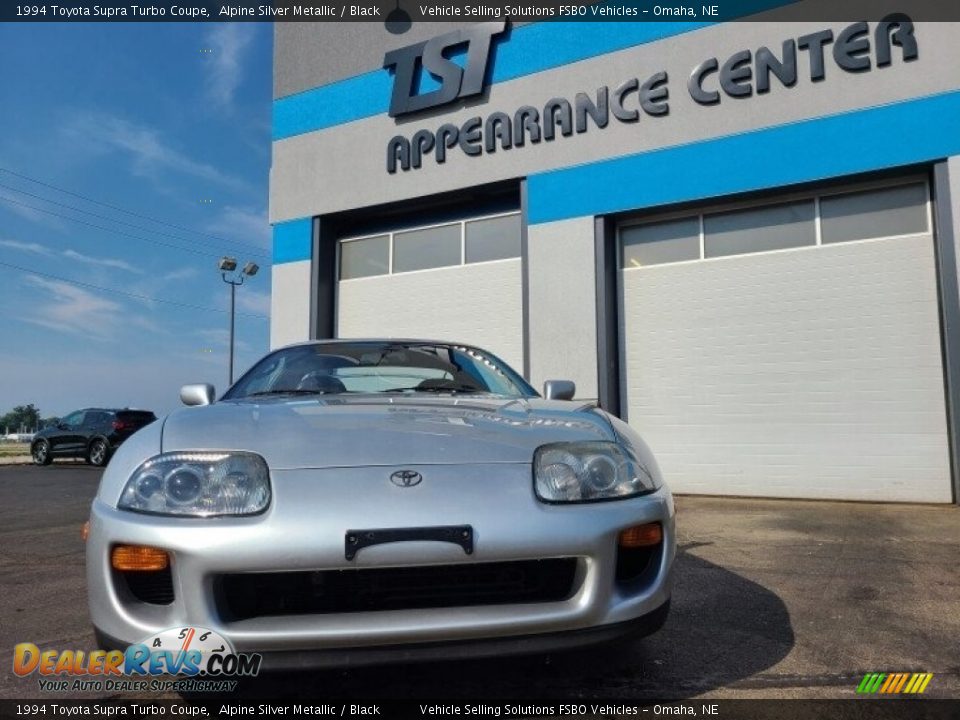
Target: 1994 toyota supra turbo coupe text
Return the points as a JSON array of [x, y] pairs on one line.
[[357, 501]]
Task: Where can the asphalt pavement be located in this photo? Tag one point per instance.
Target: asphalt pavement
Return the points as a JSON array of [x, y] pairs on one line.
[[785, 599]]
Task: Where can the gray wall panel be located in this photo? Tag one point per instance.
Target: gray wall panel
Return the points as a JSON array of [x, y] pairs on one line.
[[290, 303], [562, 286]]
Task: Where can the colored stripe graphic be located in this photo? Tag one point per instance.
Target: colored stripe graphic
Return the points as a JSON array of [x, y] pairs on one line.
[[871, 682], [923, 679], [292, 240], [894, 683], [927, 128]]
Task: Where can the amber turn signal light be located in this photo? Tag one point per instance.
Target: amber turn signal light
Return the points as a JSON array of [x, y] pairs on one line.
[[138, 558], [641, 536], [85, 531]]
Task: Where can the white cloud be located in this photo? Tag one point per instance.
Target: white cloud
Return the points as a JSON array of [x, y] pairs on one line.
[[34, 215], [42, 250], [254, 301], [72, 309], [101, 262], [28, 247], [240, 225], [76, 310], [229, 42], [184, 273], [145, 146]]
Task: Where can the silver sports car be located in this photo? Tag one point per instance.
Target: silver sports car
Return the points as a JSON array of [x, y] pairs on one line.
[[362, 501]]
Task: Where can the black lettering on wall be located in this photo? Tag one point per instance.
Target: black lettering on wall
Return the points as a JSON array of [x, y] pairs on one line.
[[852, 48], [557, 112], [422, 143], [813, 44], [784, 68], [695, 83], [654, 95], [738, 76], [895, 29], [526, 121], [598, 111], [446, 138], [736, 73], [398, 150], [470, 136], [620, 111], [498, 127]]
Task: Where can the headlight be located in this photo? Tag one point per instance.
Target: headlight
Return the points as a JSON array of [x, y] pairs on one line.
[[199, 484], [587, 471]]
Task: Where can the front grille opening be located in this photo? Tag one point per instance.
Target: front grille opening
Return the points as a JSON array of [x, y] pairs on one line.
[[251, 595], [636, 566], [153, 587]]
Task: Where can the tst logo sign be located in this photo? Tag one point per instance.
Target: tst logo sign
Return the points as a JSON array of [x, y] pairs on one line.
[[455, 82]]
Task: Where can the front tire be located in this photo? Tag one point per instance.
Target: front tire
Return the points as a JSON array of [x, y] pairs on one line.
[[98, 453], [40, 452]]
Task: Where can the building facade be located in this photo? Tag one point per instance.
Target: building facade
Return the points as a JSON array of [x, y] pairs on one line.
[[740, 236]]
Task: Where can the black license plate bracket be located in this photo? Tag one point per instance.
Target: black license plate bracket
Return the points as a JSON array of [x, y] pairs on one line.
[[356, 540]]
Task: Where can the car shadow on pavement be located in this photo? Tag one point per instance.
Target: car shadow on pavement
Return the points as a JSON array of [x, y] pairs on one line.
[[722, 628]]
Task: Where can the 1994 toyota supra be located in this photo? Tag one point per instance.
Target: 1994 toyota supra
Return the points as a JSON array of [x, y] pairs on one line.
[[351, 502]]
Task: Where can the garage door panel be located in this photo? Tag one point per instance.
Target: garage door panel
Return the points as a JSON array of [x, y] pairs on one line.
[[478, 304], [807, 373]]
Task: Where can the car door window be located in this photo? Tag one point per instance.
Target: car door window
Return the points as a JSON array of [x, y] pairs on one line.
[[93, 420], [73, 420]]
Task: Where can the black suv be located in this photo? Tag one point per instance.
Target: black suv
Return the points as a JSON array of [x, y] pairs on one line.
[[92, 434]]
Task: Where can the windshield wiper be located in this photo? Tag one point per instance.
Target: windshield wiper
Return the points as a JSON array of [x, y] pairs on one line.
[[439, 389], [293, 391]]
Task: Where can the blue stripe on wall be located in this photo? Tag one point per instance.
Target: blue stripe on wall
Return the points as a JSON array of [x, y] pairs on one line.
[[292, 240], [530, 49], [910, 132]]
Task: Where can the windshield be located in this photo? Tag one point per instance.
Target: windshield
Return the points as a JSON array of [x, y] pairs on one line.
[[379, 367]]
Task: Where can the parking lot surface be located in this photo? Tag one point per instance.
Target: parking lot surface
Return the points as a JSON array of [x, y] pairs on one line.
[[783, 599]]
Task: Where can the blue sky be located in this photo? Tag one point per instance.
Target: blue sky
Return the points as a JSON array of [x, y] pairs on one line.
[[165, 120]]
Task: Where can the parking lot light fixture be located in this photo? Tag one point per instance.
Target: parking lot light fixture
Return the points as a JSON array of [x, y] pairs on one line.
[[228, 271]]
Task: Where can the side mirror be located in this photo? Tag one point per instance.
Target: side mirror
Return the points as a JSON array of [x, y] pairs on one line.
[[199, 394], [559, 389], [62, 426]]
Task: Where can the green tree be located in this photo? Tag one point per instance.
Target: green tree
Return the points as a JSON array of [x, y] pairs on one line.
[[22, 417]]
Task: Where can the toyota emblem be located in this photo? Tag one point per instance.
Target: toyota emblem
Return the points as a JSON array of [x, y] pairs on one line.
[[406, 478]]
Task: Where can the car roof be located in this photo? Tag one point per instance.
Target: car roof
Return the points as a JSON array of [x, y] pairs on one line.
[[412, 341], [111, 410]]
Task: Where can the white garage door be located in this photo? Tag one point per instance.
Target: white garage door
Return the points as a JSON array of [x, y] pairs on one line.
[[458, 281], [790, 350]]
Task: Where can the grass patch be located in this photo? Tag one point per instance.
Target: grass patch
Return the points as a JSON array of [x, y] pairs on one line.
[[14, 449]]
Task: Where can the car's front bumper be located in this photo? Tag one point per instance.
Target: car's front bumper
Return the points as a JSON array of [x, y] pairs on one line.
[[538, 644], [304, 530]]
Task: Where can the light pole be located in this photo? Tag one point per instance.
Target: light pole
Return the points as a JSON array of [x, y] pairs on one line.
[[228, 266]]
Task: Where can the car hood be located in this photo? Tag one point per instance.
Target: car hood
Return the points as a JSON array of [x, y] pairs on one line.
[[342, 431]]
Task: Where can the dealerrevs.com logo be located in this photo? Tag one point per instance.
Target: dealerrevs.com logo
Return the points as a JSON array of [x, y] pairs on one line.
[[204, 660]]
